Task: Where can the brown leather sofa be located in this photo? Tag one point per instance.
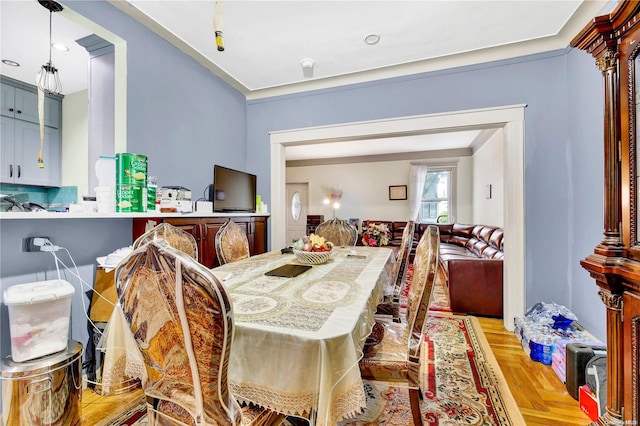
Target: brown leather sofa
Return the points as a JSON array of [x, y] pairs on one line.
[[471, 257]]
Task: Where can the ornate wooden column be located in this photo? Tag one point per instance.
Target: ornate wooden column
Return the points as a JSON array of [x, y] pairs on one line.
[[599, 39], [615, 397]]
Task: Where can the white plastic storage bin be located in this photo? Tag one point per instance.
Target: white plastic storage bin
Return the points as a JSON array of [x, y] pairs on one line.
[[39, 316]]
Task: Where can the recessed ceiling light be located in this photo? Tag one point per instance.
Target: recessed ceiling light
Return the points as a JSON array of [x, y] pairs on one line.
[[10, 63], [372, 39], [59, 46]]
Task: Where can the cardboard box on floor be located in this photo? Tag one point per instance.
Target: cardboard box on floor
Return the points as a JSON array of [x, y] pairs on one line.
[[105, 285]]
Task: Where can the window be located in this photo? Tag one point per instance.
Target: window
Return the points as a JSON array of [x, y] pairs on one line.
[[437, 196]]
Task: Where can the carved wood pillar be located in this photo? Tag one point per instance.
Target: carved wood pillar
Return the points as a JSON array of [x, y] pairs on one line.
[[613, 302], [611, 245], [612, 39]]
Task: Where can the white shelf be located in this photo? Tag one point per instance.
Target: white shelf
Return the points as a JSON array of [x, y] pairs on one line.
[[66, 215]]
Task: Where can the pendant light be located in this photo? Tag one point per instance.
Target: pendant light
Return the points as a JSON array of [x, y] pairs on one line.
[[47, 78]]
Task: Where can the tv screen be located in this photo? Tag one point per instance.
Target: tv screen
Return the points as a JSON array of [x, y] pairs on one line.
[[233, 190]]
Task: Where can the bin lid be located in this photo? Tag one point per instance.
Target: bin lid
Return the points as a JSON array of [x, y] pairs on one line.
[[37, 292], [12, 370]]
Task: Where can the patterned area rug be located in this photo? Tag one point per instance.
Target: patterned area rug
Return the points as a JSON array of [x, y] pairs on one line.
[[462, 383]]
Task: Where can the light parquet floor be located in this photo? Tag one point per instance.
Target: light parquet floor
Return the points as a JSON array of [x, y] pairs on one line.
[[541, 396]]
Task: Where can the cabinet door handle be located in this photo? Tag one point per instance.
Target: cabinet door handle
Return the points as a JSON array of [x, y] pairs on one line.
[[19, 171], [10, 170], [18, 112], [10, 109]]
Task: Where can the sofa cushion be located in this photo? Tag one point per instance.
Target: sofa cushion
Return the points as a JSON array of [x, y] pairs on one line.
[[496, 239], [464, 231], [478, 247], [490, 253], [452, 249], [486, 232]]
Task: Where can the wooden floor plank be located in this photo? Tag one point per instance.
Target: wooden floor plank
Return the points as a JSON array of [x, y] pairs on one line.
[[541, 396]]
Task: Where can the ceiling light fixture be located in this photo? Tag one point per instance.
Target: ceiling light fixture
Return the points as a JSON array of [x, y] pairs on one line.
[[10, 63], [47, 78], [307, 67], [372, 39], [61, 47]]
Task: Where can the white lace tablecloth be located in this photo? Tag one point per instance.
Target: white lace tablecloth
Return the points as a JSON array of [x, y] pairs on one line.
[[298, 340]]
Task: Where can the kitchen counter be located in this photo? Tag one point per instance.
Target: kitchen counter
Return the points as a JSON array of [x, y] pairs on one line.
[[67, 215]]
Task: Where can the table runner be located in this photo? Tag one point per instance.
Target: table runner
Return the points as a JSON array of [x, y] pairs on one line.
[[298, 340]]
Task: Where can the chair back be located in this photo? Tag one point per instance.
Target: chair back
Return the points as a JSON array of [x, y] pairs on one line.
[[425, 267], [339, 232], [176, 237], [182, 320], [402, 258], [231, 243]]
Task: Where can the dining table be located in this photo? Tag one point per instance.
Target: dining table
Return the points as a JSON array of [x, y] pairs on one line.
[[298, 339]]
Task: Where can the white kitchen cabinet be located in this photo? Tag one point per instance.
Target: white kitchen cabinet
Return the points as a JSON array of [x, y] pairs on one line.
[[20, 142]]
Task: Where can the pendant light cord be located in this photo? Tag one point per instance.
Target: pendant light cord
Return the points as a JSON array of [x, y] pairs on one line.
[[50, 33]]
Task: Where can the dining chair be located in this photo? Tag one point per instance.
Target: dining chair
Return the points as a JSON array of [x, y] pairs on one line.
[[339, 232], [396, 358], [176, 237], [391, 303], [231, 243], [181, 318]]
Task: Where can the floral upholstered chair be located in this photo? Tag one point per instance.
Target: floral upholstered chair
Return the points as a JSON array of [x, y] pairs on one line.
[[231, 243], [176, 237], [391, 304], [396, 358], [339, 232], [181, 318]]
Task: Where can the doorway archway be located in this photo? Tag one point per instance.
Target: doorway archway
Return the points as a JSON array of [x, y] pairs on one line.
[[509, 118]]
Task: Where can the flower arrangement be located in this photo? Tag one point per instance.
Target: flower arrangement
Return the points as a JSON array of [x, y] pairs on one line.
[[376, 235]]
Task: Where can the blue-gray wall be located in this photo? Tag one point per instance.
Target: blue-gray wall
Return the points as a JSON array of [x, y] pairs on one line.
[[562, 152], [586, 186]]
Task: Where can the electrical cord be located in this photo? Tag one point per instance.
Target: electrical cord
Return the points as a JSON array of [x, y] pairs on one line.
[[205, 193], [77, 275], [47, 246]]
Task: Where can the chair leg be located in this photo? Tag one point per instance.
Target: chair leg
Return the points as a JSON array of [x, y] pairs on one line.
[[414, 398]]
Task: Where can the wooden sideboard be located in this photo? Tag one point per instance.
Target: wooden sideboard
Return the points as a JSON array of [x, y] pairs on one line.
[[614, 41], [204, 230]]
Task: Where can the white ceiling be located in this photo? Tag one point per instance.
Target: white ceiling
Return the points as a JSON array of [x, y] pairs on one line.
[[266, 40]]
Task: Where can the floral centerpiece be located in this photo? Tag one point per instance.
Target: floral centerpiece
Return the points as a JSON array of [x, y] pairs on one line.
[[376, 235]]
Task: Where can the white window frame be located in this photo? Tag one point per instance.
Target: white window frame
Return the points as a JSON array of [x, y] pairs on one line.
[[451, 199]]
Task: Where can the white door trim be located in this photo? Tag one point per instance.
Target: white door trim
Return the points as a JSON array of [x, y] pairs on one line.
[[509, 118]]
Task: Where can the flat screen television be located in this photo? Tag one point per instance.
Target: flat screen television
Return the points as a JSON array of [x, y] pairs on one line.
[[233, 190]]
